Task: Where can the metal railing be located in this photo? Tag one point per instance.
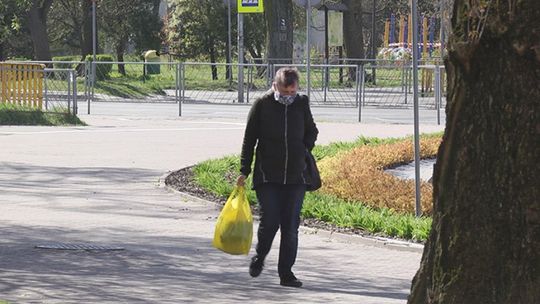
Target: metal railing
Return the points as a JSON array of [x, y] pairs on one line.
[[60, 90], [32, 85], [350, 83]]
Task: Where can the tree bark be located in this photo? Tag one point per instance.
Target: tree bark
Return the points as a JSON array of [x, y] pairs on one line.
[[353, 38], [37, 23], [279, 24], [484, 245], [120, 47], [213, 58], [87, 47]]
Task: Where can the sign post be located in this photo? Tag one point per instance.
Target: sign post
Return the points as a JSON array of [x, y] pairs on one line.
[[244, 7], [250, 6], [414, 13]]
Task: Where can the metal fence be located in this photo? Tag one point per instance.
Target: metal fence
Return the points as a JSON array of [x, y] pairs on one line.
[[34, 86], [60, 90], [135, 82], [349, 83]]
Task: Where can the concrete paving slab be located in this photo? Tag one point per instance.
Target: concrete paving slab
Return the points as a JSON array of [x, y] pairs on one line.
[[102, 185]]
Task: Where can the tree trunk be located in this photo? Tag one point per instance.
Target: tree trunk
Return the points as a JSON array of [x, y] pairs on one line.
[[228, 68], [37, 23], [257, 59], [87, 43], [120, 56], [213, 61], [155, 7], [484, 246], [353, 38], [279, 24]]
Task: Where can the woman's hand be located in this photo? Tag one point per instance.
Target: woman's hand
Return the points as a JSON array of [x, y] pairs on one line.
[[241, 181]]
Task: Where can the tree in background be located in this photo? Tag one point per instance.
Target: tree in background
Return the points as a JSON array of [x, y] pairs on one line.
[[119, 22], [353, 33], [255, 36], [12, 26], [37, 23], [66, 18], [196, 30], [484, 245], [279, 26], [146, 26], [70, 23], [353, 37], [123, 21]]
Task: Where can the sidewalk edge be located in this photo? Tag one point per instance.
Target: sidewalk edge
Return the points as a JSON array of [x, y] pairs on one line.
[[380, 242]]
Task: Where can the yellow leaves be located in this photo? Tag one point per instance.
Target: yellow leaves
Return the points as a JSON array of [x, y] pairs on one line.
[[359, 175]]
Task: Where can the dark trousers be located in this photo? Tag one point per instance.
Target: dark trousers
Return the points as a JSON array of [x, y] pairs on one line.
[[280, 207]]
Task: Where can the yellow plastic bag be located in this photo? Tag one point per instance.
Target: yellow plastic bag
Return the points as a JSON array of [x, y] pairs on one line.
[[234, 227]]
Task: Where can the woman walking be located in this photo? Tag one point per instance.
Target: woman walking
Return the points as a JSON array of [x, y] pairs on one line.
[[281, 126]]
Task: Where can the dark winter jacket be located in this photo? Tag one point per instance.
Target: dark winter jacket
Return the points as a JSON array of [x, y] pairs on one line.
[[282, 134]]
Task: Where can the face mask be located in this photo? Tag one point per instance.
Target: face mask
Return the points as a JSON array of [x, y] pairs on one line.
[[284, 99]]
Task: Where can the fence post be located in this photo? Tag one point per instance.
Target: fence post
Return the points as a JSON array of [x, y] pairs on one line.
[[177, 84], [94, 77], [438, 93], [308, 79], [359, 86], [250, 80], [68, 92], [406, 83], [46, 88], [3, 82], [363, 84], [269, 74], [75, 105], [325, 81], [402, 78], [182, 81]]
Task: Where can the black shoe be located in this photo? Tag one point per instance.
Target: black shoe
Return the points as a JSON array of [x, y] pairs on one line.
[[256, 266], [290, 281]]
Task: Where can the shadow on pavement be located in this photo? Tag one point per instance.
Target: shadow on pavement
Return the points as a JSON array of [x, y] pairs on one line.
[[168, 257]]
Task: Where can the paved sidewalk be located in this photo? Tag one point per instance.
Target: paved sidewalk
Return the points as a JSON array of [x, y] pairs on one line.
[[103, 185]]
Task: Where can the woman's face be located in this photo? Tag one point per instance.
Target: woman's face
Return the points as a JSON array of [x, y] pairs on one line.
[[286, 91]]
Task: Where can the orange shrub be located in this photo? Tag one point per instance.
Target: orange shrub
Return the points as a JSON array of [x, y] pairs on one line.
[[359, 175]]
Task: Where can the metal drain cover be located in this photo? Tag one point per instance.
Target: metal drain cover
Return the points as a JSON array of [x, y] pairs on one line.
[[64, 246]]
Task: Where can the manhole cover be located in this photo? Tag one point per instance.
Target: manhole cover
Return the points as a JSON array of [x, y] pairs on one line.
[[64, 246]]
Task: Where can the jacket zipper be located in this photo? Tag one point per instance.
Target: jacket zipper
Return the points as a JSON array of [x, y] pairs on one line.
[[286, 149]]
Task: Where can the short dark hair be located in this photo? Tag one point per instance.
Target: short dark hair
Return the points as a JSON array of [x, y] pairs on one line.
[[286, 76]]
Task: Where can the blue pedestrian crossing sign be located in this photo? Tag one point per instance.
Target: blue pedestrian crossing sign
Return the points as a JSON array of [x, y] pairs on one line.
[[250, 6]]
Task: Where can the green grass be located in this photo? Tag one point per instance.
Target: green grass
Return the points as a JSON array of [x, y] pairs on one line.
[[21, 115], [218, 176], [199, 77]]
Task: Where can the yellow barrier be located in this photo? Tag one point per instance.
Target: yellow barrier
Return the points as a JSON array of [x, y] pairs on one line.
[[426, 80], [22, 84]]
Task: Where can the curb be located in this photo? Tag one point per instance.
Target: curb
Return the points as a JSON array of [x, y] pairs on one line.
[[379, 242]]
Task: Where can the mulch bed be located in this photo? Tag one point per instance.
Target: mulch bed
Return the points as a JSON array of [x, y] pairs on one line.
[[183, 181]]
